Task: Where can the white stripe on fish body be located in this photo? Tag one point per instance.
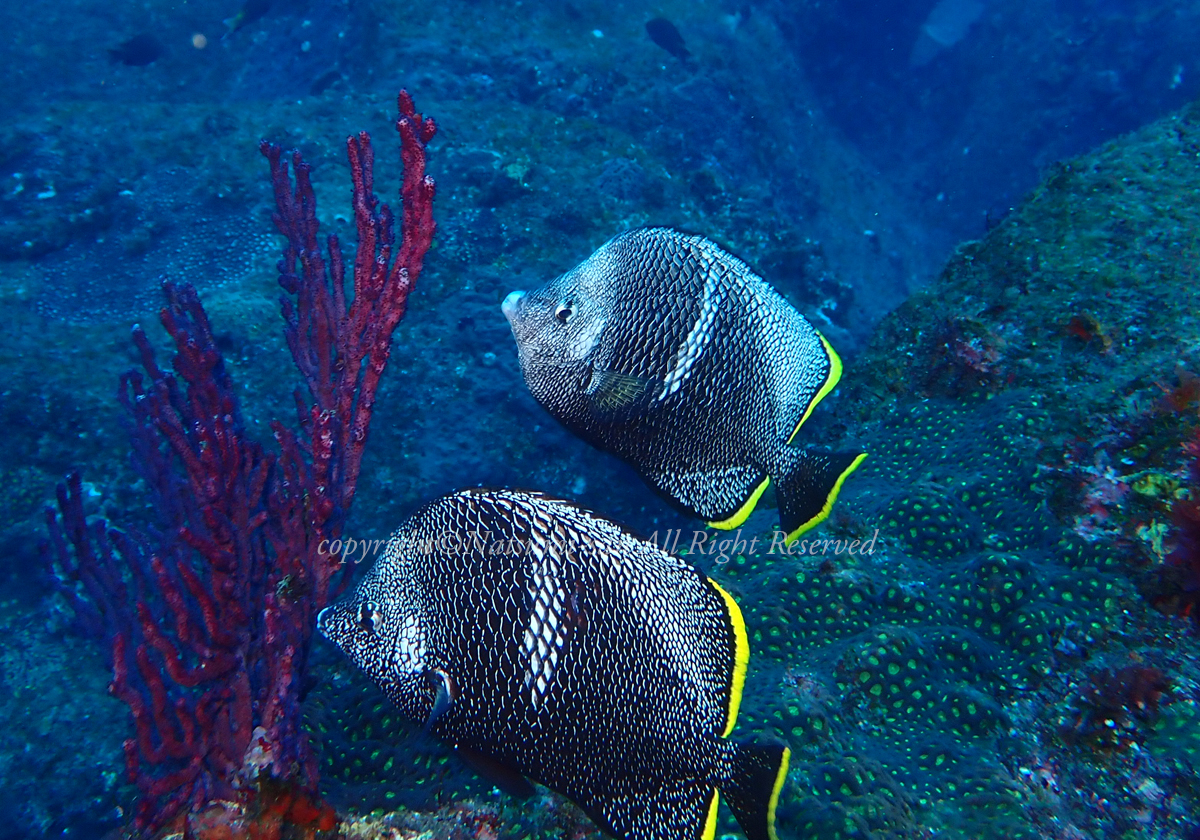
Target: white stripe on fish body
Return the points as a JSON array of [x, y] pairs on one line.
[[409, 654], [544, 638], [554, 541], [711, 297]]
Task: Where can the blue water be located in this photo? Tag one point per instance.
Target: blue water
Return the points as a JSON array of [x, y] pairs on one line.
[[844, 149]]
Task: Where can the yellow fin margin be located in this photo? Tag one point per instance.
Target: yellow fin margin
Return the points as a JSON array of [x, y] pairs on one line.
[[829, 500], [747, 508], [835, 376], [780, 778], [710, 822], [741, 657]]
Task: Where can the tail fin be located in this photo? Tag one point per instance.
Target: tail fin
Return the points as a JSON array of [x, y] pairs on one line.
[[759, 772], [808, 486]]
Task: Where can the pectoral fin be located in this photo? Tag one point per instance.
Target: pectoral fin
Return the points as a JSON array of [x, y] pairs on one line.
[[444, 696], [613, 393]]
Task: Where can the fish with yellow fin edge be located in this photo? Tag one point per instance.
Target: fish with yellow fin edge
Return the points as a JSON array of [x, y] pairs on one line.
[[545, 643], [670, 353]]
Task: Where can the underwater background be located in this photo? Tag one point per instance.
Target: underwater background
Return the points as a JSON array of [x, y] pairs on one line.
[[991, 209]]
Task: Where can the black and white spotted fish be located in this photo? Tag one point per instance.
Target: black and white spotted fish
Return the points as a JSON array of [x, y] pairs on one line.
[[670, 353], [547, 644]]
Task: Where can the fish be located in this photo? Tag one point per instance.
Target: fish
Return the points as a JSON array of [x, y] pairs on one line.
[[251, 11], [547, 644], [667, 351], [138, 51], [948, 23], [664, 33]]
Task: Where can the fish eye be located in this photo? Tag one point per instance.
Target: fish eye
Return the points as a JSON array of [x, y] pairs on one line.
[[368, 614], [564, 311]]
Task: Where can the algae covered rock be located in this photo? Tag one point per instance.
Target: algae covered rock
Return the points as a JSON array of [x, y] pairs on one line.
[[1025, 416], [911, 659], [1087, 293]]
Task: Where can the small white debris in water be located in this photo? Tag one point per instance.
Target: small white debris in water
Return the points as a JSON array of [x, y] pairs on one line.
[[579, 487], [596, 33]]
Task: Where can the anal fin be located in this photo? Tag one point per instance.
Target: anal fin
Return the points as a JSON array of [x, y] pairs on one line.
[[680, 811], [496, 772], [722, 496]]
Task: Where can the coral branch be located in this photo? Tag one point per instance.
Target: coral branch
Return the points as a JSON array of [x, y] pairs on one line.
[[210, 616], [343, 350]]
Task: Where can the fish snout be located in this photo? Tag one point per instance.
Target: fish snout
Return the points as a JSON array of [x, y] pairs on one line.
[[511, 306]]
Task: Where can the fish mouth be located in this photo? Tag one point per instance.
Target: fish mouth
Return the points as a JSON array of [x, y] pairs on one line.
[[323, 621], [510, 306]]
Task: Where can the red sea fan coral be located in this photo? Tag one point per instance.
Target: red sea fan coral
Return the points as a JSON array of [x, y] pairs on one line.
[[209, 618]]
